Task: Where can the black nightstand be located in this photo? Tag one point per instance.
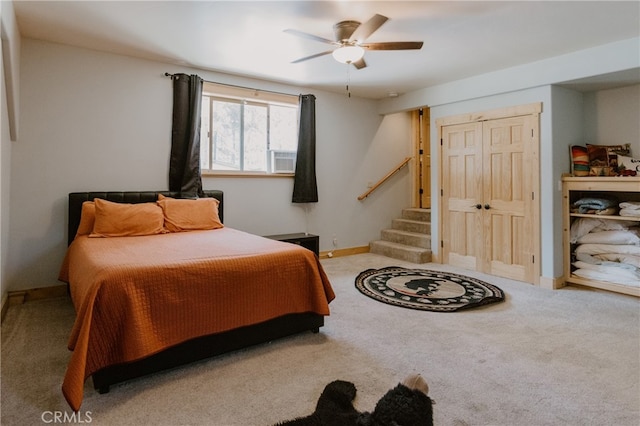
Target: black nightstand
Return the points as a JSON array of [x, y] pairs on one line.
[[308, 241]]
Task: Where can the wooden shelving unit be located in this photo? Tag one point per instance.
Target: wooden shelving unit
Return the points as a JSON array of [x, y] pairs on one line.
[[625, 189]]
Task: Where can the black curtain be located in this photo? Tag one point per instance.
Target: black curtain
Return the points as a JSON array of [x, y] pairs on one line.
[[305, 188], [184, 164]]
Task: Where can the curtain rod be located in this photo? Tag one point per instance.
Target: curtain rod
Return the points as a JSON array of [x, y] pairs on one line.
[[239, 87]]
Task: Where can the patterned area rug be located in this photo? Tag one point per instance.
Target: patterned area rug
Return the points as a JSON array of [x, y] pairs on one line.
[[426, 290]]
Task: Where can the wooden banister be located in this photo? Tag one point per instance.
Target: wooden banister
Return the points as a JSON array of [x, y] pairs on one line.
[[383, 180]]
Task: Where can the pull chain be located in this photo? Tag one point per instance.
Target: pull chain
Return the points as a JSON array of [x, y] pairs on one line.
[[348, 79]]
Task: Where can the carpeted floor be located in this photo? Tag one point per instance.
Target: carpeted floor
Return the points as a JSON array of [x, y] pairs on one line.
[[541, 357]]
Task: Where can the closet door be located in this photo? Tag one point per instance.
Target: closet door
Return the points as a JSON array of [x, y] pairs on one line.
[[489, 205], [462, 195], [507, 197]]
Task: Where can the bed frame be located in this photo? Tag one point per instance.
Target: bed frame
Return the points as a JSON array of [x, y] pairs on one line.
[[198, 348]]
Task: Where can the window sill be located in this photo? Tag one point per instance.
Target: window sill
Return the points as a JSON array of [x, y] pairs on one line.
[[224, 173]]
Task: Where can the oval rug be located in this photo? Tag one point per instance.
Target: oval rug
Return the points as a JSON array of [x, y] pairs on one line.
[[426, 289]]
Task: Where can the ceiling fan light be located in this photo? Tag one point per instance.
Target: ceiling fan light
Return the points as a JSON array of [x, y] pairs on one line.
[[348, 54]]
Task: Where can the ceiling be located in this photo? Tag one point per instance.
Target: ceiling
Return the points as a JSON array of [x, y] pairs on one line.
[[247, 38]]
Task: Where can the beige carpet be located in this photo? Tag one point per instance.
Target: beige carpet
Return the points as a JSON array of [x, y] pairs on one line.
[[542, 357]]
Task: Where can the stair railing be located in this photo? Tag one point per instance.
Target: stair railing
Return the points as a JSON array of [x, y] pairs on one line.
[[384, 179]]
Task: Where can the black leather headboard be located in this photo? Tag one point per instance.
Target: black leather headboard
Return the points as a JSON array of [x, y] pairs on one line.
[[77, 198]]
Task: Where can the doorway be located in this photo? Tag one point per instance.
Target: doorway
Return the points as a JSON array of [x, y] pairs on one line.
[[420, 123]]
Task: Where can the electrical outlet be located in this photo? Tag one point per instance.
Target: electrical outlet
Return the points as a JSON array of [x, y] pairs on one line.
[[335, 241]]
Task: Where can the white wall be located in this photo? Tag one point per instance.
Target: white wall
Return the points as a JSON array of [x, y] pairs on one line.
[[609, 58], [9, 76], [567, 128], [612, 117], [10, 65], [5, 169], [97, 121]]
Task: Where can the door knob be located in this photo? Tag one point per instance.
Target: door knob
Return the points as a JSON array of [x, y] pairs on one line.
[[478, 206], [487, 206]]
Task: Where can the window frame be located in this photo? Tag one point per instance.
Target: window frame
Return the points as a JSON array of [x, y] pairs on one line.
[[245, 96]]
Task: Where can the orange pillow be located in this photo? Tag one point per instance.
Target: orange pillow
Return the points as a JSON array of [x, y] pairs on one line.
[[190, 215], [121, 220], [87, 218]]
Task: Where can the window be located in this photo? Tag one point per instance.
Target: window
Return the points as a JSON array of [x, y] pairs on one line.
[[247, 131]]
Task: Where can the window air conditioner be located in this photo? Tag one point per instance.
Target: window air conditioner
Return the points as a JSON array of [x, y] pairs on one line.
[[283, 161]]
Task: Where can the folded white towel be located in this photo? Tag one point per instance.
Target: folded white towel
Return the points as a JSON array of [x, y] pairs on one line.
[[629, 212], [632, 205]]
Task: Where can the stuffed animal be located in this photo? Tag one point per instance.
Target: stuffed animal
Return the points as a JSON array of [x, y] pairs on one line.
[[407, 404]]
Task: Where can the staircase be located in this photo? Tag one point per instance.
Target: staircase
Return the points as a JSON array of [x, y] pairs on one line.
[[408, 239]]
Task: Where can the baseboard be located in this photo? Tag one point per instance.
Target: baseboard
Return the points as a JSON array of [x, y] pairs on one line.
[[552, 283], [343, 252], [22, 296]]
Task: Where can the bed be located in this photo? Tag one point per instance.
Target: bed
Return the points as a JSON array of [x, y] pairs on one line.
[[149, 302]]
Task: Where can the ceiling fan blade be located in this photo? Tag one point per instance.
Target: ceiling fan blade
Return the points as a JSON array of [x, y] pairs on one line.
[[393, 45], [359, 64], [365, 30], [306, 58], [310, 36]]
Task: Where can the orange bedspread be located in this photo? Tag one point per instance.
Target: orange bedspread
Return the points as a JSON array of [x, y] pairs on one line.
[[136, 296]]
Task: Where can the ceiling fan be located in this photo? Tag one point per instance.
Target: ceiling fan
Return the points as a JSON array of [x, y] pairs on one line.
[[350, 37]]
